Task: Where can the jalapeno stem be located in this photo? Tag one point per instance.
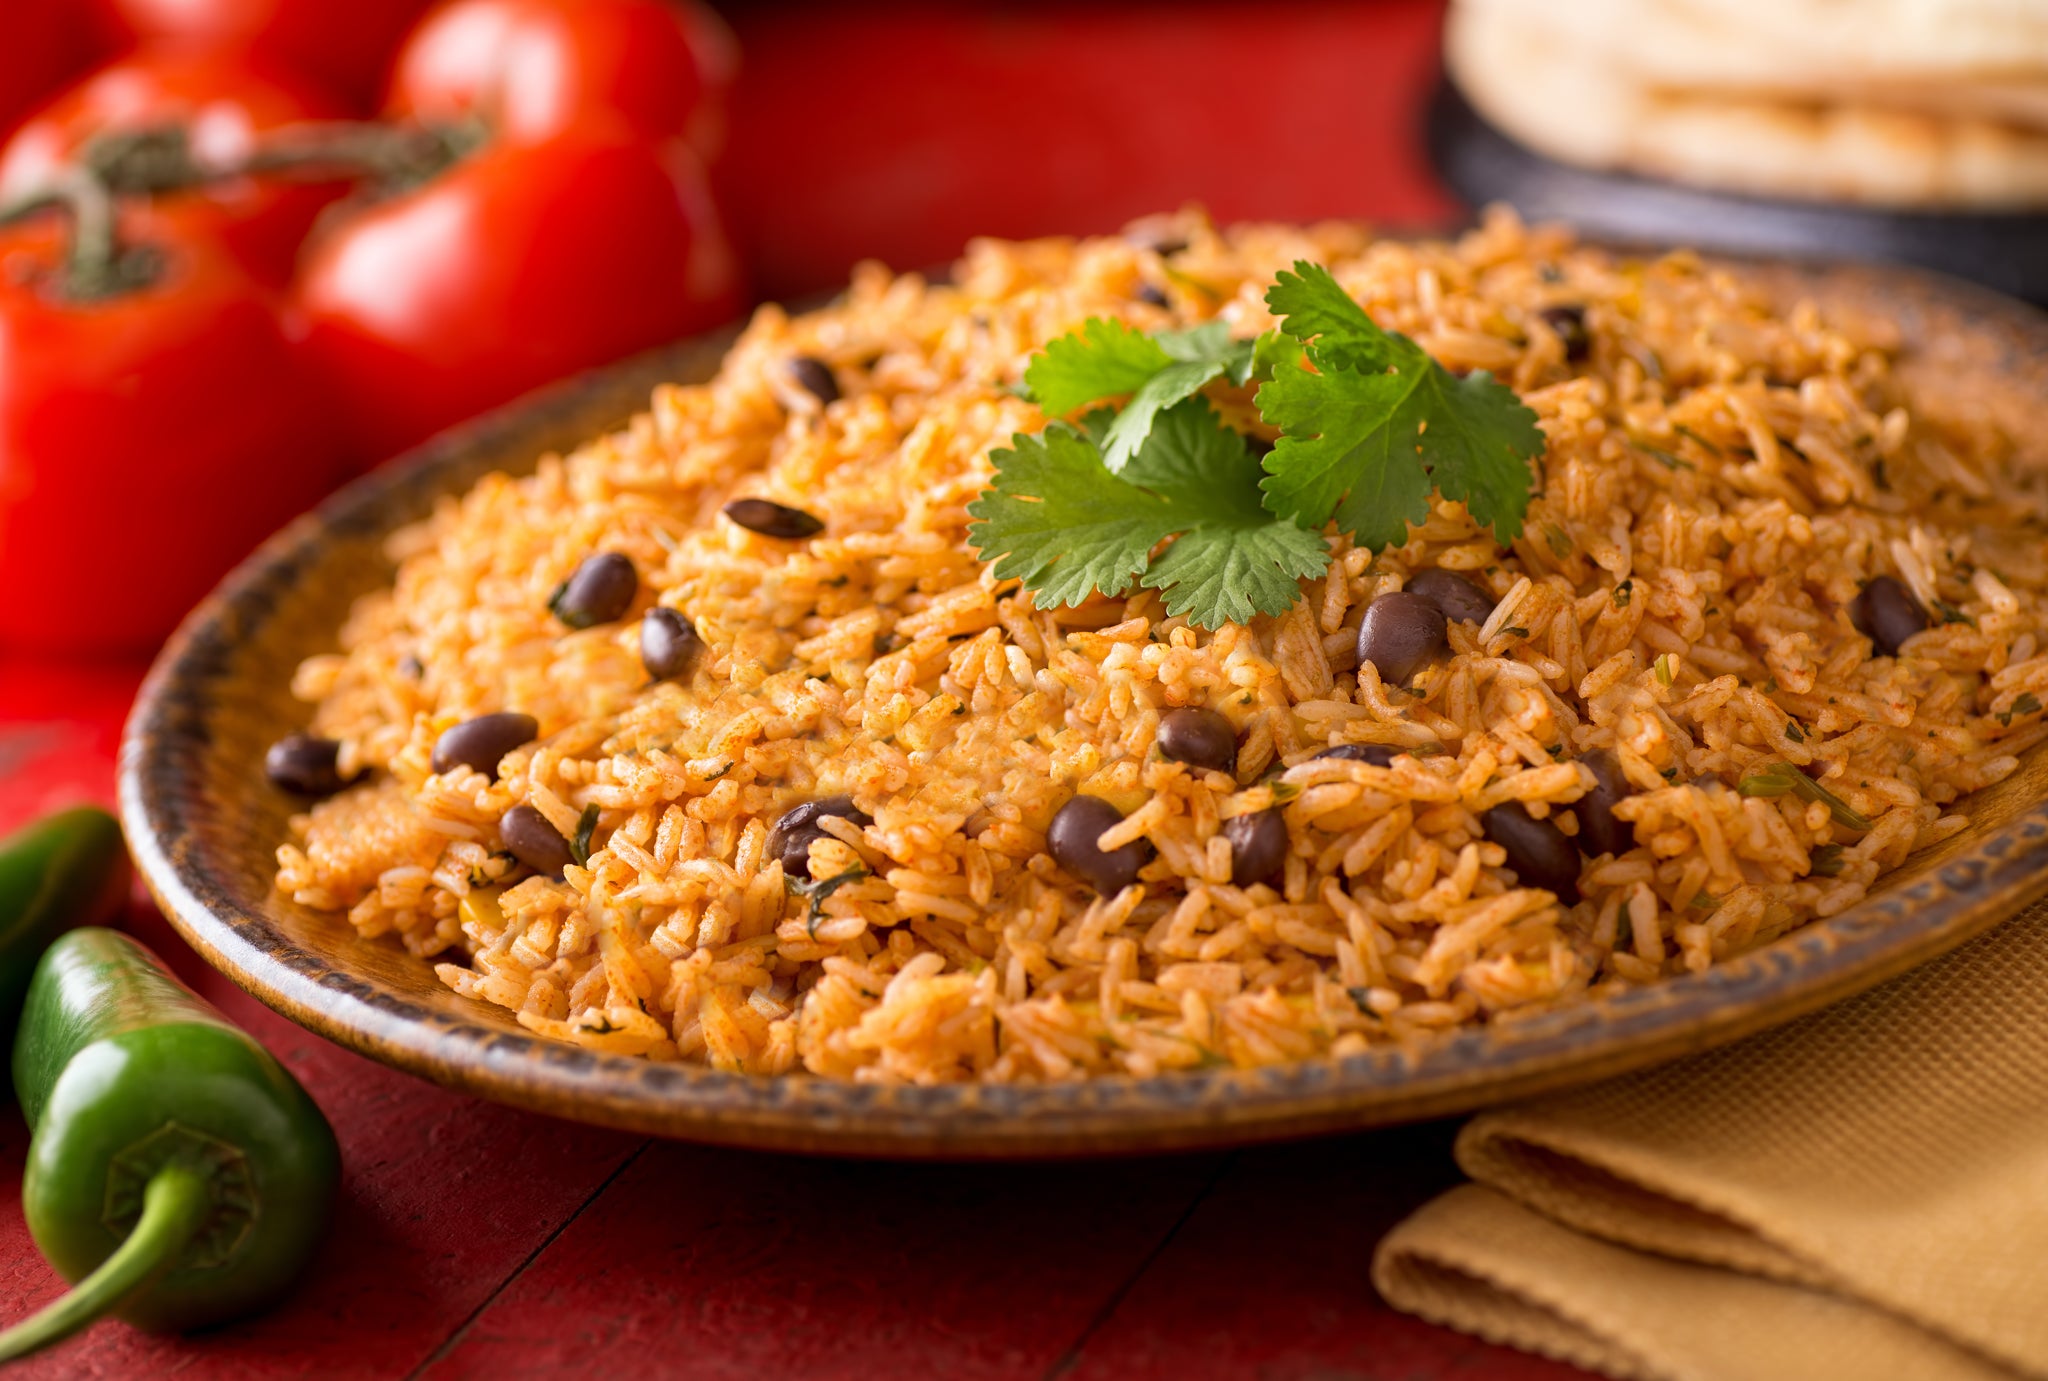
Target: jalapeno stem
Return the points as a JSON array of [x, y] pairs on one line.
[[175, 1205]]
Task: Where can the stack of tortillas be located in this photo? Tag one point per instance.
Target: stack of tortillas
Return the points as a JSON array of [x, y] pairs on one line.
[[1922, 104]]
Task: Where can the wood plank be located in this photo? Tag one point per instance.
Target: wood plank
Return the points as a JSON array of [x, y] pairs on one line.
[[719, 1264], [1269, 1277], [60, 732], [444, 1197]]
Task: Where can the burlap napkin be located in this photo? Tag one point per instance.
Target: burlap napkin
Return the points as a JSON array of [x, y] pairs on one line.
[[1862, 1193]]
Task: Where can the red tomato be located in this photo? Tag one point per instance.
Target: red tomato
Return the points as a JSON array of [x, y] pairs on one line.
[[348, 43], [225, 104], [516, 267], [147, 441], [42, 46], [538, 67]]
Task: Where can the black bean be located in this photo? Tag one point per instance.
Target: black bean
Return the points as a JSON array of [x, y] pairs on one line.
[[533, 841], [305, 765], [1071, 840], [1161, 241], [1539, 852], [816, 378], [793, 834], [1886, 614], [669, 645], [1198, 737], [1378, 754], [1569, 322], [483, 742], [1399, 635], [1600, 831], [1151, 293], [1258, 845], [599, 590], [773, 519], [1461, 599]]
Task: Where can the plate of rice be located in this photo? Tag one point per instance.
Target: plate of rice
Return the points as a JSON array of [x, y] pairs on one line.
[[673, 750]]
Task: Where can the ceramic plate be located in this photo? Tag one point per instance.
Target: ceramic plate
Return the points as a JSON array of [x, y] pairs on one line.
[[204, 825]]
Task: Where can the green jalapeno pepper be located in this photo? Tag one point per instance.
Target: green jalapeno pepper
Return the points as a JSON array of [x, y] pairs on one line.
[[174, 1165], [70, 869]]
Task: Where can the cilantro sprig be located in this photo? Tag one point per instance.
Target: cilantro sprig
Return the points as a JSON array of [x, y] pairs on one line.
[[1378, 424], [1060, 520], [1158, 370], [1159, 492]]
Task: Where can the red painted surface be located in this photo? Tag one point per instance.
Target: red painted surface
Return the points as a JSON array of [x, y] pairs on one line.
[[1268, 1277], [775, 1266], [474, 1241], [60, 730], [898, 131]]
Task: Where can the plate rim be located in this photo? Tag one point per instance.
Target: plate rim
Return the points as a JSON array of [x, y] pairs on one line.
[[161, 767]]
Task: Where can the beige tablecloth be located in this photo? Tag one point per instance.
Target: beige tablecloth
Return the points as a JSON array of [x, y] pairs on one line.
[[1861, 1194]]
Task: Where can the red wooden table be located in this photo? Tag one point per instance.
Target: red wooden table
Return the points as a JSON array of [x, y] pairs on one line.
[[473, 1240]]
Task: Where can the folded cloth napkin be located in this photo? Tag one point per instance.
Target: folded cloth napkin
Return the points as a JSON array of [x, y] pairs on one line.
[[1862, 1193]]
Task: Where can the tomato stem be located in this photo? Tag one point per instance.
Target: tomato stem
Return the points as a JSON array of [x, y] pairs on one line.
[[161, 158], [154, 159], [94, 246], [96, 263], [158, 159], [174, 1207], [391, 156]]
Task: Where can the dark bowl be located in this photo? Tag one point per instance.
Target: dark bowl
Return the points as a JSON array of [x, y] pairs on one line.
[[204, 826]]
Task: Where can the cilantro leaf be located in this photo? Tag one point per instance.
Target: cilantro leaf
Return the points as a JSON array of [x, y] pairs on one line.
[[1058, 518], [1094, 425], [1173, 384], [1210, 343], [1271, 351], [1313, 307], [1106, 359], [1235, 559], [1377, 424], [1341, 451], [1479, 441], [1101, 360]]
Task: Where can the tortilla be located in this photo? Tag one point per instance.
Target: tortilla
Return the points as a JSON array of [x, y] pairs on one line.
[[1528, 74]]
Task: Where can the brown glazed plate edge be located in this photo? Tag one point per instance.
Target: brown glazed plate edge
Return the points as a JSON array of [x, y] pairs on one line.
[[195, 807]]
